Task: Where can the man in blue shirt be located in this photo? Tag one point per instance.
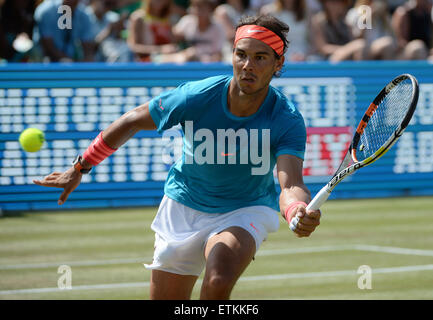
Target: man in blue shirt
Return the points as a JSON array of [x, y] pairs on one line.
[[231, 145], [63, 38], [220, 200]]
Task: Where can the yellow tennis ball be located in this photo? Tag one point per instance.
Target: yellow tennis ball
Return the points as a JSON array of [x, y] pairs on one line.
[[32, 139]]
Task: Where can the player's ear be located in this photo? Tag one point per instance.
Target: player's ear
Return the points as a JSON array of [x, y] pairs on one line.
[[279, 63]]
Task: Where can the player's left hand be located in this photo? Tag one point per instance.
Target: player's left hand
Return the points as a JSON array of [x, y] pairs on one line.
[[68, 180], [307, 221]]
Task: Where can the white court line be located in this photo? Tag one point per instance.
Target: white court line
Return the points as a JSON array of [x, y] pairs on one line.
[[275, 252], [71, 264], [360, 247], [413, 252], [335, 273], [242, 279], [77, 288], [142, 260]]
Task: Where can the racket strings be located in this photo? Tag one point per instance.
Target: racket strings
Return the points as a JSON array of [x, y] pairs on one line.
[[386, 120]]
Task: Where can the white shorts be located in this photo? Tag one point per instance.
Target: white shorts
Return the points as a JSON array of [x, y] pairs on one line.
[[181, 233]]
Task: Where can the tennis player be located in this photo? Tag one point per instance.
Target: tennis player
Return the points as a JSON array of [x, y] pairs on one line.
[[220, 201]]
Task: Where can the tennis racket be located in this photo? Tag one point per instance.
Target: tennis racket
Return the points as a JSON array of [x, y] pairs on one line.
[[379, 129]]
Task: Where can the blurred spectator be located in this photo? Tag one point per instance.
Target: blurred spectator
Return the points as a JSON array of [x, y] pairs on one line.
[[332, 37], [294, 14], [228, 15], [179, 8], [108, 26], [394, 4], [374, 26], [63, 43], [412, 23], [150, 31], [127, 6], [16, 29], [256, 5], [313, 7], [203, 36]]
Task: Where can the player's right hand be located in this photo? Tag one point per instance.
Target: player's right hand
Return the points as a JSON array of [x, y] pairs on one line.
[[306, 222], [68, 180]]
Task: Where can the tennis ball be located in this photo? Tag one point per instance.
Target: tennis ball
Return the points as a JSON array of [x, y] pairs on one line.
[[32, 139]]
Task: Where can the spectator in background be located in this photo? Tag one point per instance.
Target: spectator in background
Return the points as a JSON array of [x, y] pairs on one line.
[[293, 13], [127, 6], [394, 4], [412, 24], [64, 44], [256, 5], [313, 7], [179, 8], [332, 36], [228, 15], [16, 29], [203, 36], [108, 26], [379, 36], [150, 30]]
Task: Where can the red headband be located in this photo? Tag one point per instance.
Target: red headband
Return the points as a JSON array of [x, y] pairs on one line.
[[261, 33]]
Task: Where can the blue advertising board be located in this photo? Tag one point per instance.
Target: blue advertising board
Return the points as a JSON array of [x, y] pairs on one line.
[[72, 103]]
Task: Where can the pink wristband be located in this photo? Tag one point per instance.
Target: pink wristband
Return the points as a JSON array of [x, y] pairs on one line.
[[97, 151], [290, 208]]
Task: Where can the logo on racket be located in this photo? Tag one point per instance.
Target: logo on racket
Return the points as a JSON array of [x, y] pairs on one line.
[[391, 85], [344, 173]]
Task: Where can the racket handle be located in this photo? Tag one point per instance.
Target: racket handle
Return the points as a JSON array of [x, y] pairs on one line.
[[314, 204], [319, 199]]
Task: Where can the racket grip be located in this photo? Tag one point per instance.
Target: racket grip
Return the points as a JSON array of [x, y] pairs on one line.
[[314, 204], [319, 199]]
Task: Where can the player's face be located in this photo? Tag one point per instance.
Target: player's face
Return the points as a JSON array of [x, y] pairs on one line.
[[254, 64]]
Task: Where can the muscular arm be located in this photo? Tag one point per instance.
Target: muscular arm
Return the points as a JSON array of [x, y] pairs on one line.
[[116, 134], [125, 127], [289, 169], [293, 189]]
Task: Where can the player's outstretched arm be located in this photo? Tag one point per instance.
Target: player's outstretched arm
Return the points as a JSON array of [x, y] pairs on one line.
[[295, 195], [114, 136]]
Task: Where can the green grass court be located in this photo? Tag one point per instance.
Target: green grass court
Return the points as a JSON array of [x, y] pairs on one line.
[[105, 250]]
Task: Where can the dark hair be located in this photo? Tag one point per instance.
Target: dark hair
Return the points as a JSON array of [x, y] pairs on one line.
[[269, 22]]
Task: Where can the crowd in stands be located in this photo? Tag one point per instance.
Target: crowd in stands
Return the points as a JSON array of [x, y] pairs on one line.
[[179, 31]]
